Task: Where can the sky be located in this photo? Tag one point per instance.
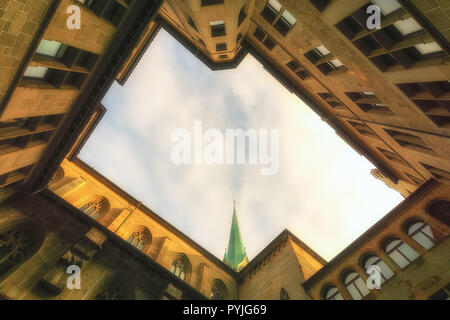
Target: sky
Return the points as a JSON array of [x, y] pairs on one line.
[[323, 192]]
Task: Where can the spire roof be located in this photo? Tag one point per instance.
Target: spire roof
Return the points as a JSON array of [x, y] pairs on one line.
[[235, 255]]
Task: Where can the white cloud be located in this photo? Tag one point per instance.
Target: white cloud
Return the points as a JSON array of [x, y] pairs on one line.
[[323, 193]]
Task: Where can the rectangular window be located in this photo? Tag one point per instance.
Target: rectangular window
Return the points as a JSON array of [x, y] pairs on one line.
[[242, 15], [265, 39], [113, 11], [410, 141], [392, 156], [320, 4], [401, 41], [433, 98], [437, 172], [298, 69], [221, 47], [369, 103], [192, 24], [331, 100], [58, 64], [363, 129], [217, 28], [285, 23], [271, 10], [324, 60]]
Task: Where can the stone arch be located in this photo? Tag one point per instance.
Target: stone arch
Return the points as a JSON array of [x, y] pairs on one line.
[[440, 210], [330, 291], [181, 267], [219, 290], [94, 206], [18, 243], [140, 237]]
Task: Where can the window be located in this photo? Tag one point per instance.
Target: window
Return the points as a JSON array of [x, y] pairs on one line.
[[443, 294], [139, 239], [298, 69], [285, 23], [440, 209], [332, 293], [410, 141], [422, 233], [192, 24], [262, 37], [51, 62], [36, 72], [242, 14], [387, 6], [331, 100], [320, 4], [180, 267], [51, 48], [218, 290], [221, 47], [113, 11], [373, 260], [369, 103], [392, 156], [400, 252], [217, 28], [401, 41], [271, 10], [223, 56], [324, 60], [14, 248], [211, 2], [355, 285], [433, 98], [284, 295], [95, 208], [363, 129]]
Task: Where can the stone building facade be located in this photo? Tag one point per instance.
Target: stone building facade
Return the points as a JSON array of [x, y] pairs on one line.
[[386, 92]]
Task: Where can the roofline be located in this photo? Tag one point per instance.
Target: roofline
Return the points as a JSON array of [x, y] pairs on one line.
[[372, 231], [283, 236], [149, 212]]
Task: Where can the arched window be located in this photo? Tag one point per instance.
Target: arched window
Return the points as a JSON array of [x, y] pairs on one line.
[[218, 290], [15, 246], [373, 260], [180, 267], [422, 233], [400, 252], [284, 295], [95, 208], [139, 239], [440, 209], [332, 293], [355, 285]]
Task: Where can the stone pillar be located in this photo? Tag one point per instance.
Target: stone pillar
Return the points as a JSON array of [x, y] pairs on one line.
[[412, 243], [162, 254], [204, 281]]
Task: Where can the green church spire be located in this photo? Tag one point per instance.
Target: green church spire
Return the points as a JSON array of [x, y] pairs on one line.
[[235, 255]]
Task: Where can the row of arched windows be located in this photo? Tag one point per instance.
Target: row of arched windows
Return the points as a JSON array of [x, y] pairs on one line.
[[398, 251]]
